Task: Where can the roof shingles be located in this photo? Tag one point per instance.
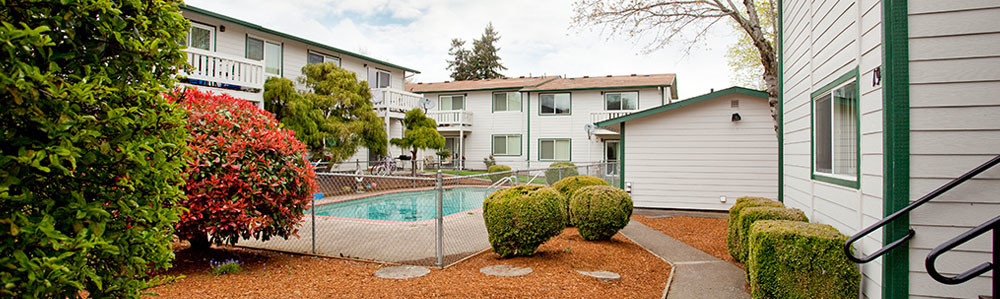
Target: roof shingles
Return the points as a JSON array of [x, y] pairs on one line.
[[606, 82], [469, 85]]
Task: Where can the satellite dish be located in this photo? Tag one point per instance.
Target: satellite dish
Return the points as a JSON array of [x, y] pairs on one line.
[[427, 104], [590, 128], [376, 96]]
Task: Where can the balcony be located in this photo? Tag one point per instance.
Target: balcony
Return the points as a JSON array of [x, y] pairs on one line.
[[237, 76], [596, 117], [452, 121], [396, 100]]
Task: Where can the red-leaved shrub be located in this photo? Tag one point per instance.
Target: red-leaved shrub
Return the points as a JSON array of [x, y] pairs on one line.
[[246, 177]]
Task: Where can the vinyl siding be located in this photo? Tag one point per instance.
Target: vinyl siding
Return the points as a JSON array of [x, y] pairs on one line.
[[955, 76], [823, 40], [687, 158]]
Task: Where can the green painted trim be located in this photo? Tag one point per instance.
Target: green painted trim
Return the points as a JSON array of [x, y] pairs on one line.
[[598, 88], [679, 104], [289, 36], [851, 75], [493, 104], [518, 88], [539, 144], [527, 148], [780, 114], [896, 144], [281, 66], [605, 96], [554, 114], [507, 135], [621, 156]]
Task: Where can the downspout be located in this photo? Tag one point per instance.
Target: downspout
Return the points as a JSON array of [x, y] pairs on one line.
[[527, 105], [621, 156]]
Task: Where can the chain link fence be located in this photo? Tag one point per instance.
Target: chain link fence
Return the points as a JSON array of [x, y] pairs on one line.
[[432, 219]]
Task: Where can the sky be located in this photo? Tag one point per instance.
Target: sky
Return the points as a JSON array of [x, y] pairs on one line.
[[536, 37]]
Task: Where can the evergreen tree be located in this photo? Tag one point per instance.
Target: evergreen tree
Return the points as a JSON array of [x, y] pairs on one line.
[[460, 65], [482, 62], [421, 133]]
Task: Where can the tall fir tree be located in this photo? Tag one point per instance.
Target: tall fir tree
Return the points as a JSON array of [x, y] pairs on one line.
[[482, 62], [460, 65]]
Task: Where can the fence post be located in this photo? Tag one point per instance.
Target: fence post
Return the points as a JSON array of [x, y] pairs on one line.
[[560, 174], [440, 221], [312, 209]]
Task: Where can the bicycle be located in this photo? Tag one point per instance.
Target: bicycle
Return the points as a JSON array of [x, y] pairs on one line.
[[384, 167]]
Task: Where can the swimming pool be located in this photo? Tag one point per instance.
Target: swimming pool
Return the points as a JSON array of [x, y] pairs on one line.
[[405, 206]]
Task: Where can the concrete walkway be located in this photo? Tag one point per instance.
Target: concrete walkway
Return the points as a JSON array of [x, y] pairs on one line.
[[696, 274]]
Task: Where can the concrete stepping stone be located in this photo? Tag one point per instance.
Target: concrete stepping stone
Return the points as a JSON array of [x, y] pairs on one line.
[[505, 270], [601, 275], [402, 272]]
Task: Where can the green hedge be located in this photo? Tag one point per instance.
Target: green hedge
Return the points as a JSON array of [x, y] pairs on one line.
[[600, 211], [554, 175], [519, 219], [750, 215], [732, 234], [793, 259], [498, 168], [568, 186]]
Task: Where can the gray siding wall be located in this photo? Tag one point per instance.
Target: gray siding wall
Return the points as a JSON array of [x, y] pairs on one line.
[[689, 157], [954, 126]]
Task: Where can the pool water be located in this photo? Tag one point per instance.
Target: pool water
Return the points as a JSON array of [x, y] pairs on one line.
[[406, 206]]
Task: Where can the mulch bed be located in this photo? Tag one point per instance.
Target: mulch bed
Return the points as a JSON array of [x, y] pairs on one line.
[[705, 234], [272, 274]]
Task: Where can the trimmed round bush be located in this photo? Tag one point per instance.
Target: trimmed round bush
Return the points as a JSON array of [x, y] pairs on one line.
[[733, 237], [519, 219], [498, 168], [794, 259], [569, 185], [554, 175], [750, 215], [600, 211]]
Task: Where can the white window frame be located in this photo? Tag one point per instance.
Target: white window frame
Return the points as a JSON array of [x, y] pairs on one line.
[[281, 55], [569, 98], [850, 180], [378, 78], [326, 57], [506, 142], [555, 142], [211, 35], [621, 103], [507, 99], [451, 97]]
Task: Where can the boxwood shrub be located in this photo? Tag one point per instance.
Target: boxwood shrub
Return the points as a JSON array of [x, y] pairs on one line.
[[732, 234], [569, 185], [753, 214], [554, 175], [600, 211], [520, 218], [793, 259], [498, 168]]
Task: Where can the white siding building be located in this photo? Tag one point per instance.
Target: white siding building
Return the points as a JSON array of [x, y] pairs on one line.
[[699, 153], [881, 103], [535, 121], [235, 57]]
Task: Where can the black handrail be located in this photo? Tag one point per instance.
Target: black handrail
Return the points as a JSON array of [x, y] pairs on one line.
[[933, 194], [992, 225]]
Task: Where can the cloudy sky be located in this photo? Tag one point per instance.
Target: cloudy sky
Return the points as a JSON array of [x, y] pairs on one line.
[[536, 37]]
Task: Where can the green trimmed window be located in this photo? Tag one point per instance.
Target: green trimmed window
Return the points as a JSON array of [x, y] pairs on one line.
[[554, 149], [507, 145], [555, 104], [614, 101], [270, 52], [507, 101], [453, 102], [200, 36], [836, 132], [316, 57]]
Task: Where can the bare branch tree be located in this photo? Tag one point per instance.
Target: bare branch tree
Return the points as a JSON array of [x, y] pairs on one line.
[[684, 21]]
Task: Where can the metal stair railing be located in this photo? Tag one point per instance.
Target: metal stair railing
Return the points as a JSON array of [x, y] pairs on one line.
[[992, 225], [905, 210]]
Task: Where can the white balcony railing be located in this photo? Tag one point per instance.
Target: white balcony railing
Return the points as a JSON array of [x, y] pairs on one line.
[[451, 118], [220, 70], [397, 100], [596, 117]]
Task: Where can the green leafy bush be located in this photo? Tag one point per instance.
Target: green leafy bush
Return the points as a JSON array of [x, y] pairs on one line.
[[91, 154], [520, 218], [600, 211], [753, 214], [733, 237], [565, 170], [569, 185], [793, 259], [498, 168]]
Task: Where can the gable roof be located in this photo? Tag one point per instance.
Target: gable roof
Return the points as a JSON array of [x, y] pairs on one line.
[[253, 26], [683, 103], [608, 82], [477, 85]]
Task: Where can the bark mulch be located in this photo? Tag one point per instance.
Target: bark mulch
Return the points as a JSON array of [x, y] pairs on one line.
[[705, 234], [279, 275]]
